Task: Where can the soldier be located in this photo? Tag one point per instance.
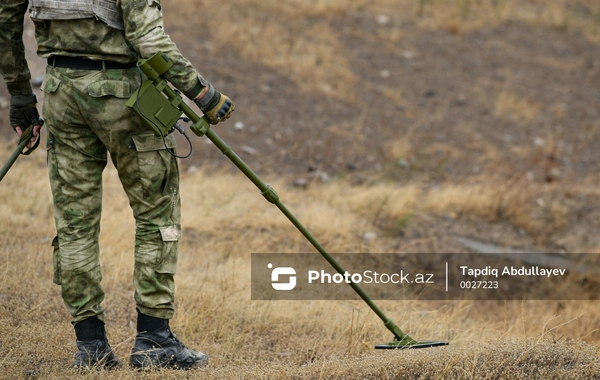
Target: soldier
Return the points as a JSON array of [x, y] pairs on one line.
[[92, 47]]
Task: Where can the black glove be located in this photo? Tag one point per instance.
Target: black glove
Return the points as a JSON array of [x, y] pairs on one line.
[[215, 105], [23, 111]]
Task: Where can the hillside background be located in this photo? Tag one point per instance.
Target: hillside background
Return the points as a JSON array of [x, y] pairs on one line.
[[386, 126]]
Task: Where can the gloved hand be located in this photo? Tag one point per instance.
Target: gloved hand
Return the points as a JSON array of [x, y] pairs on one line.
[[23, 111], [216, 106]]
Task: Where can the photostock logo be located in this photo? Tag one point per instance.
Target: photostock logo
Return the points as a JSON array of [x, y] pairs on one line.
[[282, 271]]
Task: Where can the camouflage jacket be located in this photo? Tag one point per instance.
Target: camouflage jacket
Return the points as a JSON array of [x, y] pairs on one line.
[[143, 35]]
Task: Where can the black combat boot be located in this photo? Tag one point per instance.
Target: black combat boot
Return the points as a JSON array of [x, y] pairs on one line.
[[94, 350], [157, 347]]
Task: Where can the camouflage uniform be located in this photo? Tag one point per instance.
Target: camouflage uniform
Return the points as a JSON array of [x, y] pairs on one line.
[[86, 116]]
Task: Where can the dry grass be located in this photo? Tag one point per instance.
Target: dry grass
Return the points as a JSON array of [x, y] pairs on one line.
[[225, 219], [511, 106], [298, 40]]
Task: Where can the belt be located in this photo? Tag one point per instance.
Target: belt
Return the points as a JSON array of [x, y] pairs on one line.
[[81, 63]]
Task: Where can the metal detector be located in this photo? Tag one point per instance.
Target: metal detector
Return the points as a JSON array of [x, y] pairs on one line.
[[161, 114]]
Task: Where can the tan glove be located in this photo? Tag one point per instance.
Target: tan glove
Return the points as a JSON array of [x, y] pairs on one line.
[[216, 106]]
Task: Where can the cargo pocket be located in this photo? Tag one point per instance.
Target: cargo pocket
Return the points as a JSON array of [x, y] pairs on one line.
[[167, 262], [56, 262], [53, 108], [158, 170], [50, 83]]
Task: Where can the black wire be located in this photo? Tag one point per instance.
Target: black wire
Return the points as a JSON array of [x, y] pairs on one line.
[[182, 131], [176, 126]]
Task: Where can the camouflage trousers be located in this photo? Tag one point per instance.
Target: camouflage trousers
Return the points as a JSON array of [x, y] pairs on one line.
[[86, 117]]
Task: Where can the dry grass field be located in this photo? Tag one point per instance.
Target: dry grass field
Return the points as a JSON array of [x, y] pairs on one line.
[[262, 339], [411, 121]]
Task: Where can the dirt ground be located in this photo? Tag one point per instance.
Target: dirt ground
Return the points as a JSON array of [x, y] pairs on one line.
[[459, 109], [514, 102]]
